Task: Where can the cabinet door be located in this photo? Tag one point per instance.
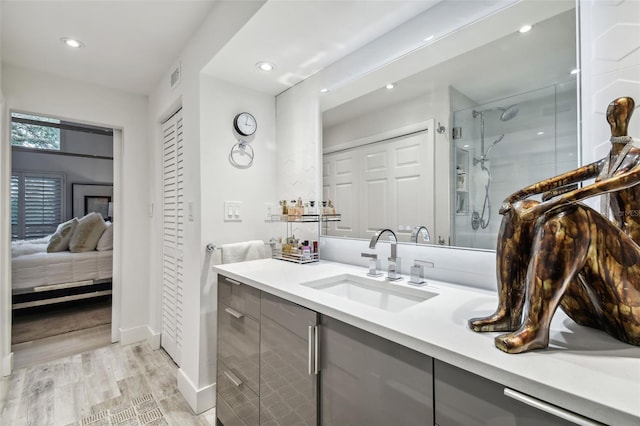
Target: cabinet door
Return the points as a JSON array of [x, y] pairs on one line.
[[466, 399], [288, 389], [239, 345], [368, 380]]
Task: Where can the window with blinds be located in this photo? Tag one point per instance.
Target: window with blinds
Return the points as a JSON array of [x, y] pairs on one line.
[[37, 202]]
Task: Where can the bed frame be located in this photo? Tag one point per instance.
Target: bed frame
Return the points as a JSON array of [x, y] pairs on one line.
[[59, 293]]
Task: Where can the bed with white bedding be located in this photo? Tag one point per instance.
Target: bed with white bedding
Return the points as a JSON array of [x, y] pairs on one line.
[[42, 278]]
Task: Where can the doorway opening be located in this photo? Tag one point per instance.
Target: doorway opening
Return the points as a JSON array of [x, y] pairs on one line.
[[61, 237]]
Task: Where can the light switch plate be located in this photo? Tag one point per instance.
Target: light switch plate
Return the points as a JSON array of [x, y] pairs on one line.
[[232, 211]]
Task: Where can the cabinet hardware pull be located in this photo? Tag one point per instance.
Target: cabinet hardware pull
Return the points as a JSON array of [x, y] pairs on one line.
[[310, 351], [233, 313], [234, 379], [232, 281], [548, 408], [316, 345]]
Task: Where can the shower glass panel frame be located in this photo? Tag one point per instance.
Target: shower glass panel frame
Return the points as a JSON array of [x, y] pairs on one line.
[[528, 137]]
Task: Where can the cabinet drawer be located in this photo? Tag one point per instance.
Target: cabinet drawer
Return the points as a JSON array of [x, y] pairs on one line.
[[236, 403], [239, 344], [239, 296], [293, 317]]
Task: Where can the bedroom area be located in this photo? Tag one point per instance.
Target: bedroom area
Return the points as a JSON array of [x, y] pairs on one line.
[[61, 236]]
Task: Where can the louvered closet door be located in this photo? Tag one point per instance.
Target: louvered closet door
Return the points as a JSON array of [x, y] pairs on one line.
[[172, 236]]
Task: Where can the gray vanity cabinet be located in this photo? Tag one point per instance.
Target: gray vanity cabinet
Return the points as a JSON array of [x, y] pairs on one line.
[[238, 353], [267, 371], [466, 399], [288, 378], [368, 380]]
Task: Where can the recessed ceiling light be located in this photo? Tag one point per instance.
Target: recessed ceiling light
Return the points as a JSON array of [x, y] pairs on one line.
[[72, 42], [390, 86], [465, 146], [525, 29], [264, 66], [540, 133], [429, 38], [575, 71], [324, 90]]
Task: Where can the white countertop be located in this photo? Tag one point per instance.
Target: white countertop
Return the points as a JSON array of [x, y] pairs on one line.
[[583, 370]]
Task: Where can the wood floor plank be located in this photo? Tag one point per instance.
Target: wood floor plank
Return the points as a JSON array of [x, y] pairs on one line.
[[70, 403], [52, 348], [115, 381], [10, 393]]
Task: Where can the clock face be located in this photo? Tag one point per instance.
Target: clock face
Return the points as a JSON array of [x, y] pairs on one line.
[[245, 124]]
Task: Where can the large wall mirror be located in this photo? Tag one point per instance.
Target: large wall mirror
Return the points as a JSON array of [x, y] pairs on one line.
[[443, 147]]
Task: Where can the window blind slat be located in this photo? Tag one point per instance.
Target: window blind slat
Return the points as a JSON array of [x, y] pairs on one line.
[[36, 203]]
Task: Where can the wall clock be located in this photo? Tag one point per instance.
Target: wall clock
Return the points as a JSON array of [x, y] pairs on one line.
[[245, 124]]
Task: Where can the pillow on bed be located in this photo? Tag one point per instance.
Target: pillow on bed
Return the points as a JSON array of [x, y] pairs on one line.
[[106, 240], [60, 240], [87, 233]]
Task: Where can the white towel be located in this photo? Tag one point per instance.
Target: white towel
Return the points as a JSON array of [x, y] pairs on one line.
[[247, 250]]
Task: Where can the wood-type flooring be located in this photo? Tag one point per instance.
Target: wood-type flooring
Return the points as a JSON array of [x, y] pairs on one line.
[[112, 384]]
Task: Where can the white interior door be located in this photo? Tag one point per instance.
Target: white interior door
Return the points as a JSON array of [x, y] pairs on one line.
[[340, 185], [387, 184], [172, 236]]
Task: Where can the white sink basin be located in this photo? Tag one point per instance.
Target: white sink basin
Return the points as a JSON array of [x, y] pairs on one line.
[[391, 297]]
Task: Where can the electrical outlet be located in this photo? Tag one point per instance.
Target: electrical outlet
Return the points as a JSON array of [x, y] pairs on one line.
[[268, 211]]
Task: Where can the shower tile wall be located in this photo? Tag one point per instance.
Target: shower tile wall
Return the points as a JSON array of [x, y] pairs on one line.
[[524, 156]]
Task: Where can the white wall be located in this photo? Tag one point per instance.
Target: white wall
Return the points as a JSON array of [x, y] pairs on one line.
[[610, 68], [220, 181], [226, 18], [83, 170], [46, 94]]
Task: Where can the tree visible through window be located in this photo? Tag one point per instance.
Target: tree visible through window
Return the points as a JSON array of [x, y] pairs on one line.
[[28, 133]]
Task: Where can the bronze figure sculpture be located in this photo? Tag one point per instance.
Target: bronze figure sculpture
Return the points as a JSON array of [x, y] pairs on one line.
[[561, 252]]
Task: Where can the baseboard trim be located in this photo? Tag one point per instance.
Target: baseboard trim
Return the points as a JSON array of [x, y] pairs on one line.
[[7, 364], [154, 339], [200, 400], [135, 334]]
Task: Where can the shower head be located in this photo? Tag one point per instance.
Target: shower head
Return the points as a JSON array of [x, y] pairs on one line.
[[509, 112]]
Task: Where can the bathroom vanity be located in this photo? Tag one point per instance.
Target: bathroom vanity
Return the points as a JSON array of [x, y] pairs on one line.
[[324, 344]]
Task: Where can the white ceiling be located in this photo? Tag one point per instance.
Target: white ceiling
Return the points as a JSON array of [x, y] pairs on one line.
[[515, 63], [303, 37], [130, 45]]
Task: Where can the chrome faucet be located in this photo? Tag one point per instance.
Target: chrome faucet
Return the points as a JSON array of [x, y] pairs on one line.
[[393, 268], [416, 232]]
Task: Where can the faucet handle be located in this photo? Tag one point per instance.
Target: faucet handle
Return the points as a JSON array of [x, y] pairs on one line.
[[394, 269], [417, 271], [373, 264]]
